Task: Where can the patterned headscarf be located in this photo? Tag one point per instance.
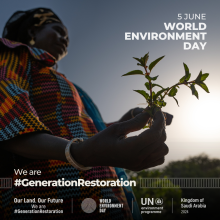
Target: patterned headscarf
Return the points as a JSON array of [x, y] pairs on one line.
[[17, 26]]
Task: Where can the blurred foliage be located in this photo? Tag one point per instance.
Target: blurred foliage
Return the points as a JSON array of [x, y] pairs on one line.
[[200, 166]]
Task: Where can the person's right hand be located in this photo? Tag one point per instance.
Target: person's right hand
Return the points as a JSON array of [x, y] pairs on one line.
[[110, 147]]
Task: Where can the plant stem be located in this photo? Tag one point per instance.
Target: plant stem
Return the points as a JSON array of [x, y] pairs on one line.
[[177, 85], [151, 93], [151, 102]]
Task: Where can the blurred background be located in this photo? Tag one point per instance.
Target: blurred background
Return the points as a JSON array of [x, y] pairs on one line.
[[99, 54]]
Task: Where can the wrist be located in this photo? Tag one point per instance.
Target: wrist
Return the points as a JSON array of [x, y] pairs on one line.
[[69, 155], [75, 152], [80, 155]]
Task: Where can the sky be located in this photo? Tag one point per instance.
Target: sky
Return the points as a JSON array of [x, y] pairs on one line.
[[98, 55]]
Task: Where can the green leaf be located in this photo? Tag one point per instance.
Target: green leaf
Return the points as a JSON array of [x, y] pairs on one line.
[[151, 78], [182, 79], [146, 57], [142, 61], [188, 77], [153, 94], [134, 72], [156, 85], [185, 78], [139, 60], [176, 101], [186, 70], [143, 93], [161, 103], [172, 92], [147, 85], [204, 76], [198, 79], [154, 63], [154, 78], [194, 91], [186, 67], [159, 93], [204, 86], [187, 74]]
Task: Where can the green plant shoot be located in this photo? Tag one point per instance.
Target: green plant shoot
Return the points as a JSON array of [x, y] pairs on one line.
[[157, 99]]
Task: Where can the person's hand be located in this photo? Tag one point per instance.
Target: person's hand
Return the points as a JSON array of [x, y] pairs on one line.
[[135, 111], [131, 114], [110, 147]]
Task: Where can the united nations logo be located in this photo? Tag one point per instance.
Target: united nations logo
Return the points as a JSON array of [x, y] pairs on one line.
[[158, 201], [88, 205]]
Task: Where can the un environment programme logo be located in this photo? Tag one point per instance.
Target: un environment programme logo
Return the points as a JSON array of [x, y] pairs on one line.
[[158, 201], [151, 201], [88, 205]]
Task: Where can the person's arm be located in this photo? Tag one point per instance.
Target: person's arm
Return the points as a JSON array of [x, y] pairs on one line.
[[37, 146], [109, 147]]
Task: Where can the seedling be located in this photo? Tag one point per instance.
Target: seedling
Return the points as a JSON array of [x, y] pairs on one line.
[[157, 99]]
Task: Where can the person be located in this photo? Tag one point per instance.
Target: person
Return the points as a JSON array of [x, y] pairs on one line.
[[42, 124]]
